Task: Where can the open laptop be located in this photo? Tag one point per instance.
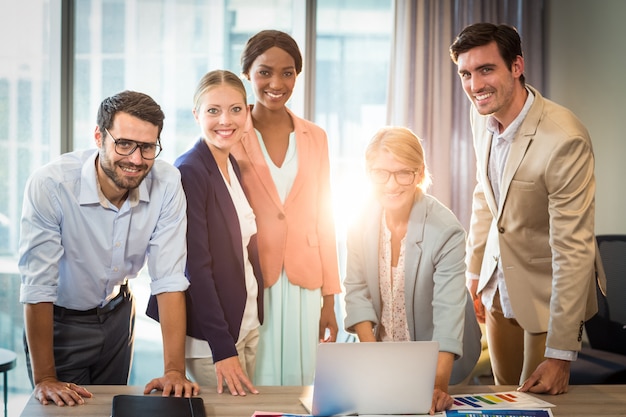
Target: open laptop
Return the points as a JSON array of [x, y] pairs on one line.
[[373, 378]]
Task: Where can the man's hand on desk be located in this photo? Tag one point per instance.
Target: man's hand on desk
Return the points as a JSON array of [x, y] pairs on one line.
[[173, 383], [550, 377], [60, 393]]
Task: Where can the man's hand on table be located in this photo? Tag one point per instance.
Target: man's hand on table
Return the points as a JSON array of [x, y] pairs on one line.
[[173, 383], [60, 393]]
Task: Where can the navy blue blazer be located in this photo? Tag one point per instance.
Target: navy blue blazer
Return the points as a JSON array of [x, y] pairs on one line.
[[217, 294]]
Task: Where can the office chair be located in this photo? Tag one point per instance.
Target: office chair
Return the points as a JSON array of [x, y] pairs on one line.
[[604, 360]]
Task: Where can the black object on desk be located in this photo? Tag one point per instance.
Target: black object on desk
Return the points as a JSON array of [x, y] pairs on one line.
[[156, 406]]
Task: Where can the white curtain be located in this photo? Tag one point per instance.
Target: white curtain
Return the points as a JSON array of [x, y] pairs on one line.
[[425, 92]]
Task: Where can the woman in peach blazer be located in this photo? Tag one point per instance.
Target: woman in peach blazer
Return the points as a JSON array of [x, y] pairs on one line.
[[286, 174]]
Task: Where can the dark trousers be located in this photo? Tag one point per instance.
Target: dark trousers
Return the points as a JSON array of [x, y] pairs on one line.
[[93, 349]]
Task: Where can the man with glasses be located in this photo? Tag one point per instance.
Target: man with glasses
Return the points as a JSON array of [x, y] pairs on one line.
[[90, 220]]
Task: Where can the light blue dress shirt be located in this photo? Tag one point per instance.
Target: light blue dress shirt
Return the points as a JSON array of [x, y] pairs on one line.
[[76, 248]]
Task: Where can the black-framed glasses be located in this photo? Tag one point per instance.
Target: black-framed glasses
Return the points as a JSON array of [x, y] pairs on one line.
[[402, 177], [126, 147]]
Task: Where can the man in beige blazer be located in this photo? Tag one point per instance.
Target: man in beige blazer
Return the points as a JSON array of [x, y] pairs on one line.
[[531, 248]]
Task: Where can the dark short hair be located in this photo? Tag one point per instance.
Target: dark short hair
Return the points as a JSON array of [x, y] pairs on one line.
[[264, 40], [136, 104], [479, 34]]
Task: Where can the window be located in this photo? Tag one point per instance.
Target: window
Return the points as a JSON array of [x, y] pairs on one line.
[[353, 47], [162, 48], [26, 142]]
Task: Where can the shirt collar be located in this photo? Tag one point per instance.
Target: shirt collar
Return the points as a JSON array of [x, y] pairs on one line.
[[91, 193], [511, 130]]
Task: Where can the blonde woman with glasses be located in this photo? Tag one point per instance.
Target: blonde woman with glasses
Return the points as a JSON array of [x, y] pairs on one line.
[[405, 278]]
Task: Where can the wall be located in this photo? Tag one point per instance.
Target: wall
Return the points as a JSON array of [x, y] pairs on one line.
[[586, 60]]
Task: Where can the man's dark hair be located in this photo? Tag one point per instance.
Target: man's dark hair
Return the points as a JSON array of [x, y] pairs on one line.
[[479, 34], [136, 104]]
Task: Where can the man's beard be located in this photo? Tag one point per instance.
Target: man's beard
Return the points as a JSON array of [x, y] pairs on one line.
[[120, 181]]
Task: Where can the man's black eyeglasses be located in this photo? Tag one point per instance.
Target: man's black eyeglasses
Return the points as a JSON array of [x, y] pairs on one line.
[[126, 147]]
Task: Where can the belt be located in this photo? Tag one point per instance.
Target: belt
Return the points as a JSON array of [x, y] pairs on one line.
[[124, 294]]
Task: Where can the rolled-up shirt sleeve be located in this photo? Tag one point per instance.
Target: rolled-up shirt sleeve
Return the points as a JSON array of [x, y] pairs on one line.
[[167, 251], [76, 248], [40, 243]]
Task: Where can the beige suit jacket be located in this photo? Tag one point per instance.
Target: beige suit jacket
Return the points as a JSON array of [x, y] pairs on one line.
[[542, 229], [298, 235]]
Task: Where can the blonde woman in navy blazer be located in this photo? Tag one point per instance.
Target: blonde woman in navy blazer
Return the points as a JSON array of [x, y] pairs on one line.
[[225, 298], [410, 246]]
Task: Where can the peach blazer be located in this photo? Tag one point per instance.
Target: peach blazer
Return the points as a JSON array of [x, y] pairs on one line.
[[298, 235]]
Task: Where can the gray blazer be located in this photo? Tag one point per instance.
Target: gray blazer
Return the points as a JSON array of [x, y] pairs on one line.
[[438, 304]]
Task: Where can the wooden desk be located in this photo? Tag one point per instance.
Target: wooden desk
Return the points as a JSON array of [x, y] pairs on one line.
[[581, 400], [284, 399]]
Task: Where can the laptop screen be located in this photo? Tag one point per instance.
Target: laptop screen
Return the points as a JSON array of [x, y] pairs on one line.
[[374, 378]]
